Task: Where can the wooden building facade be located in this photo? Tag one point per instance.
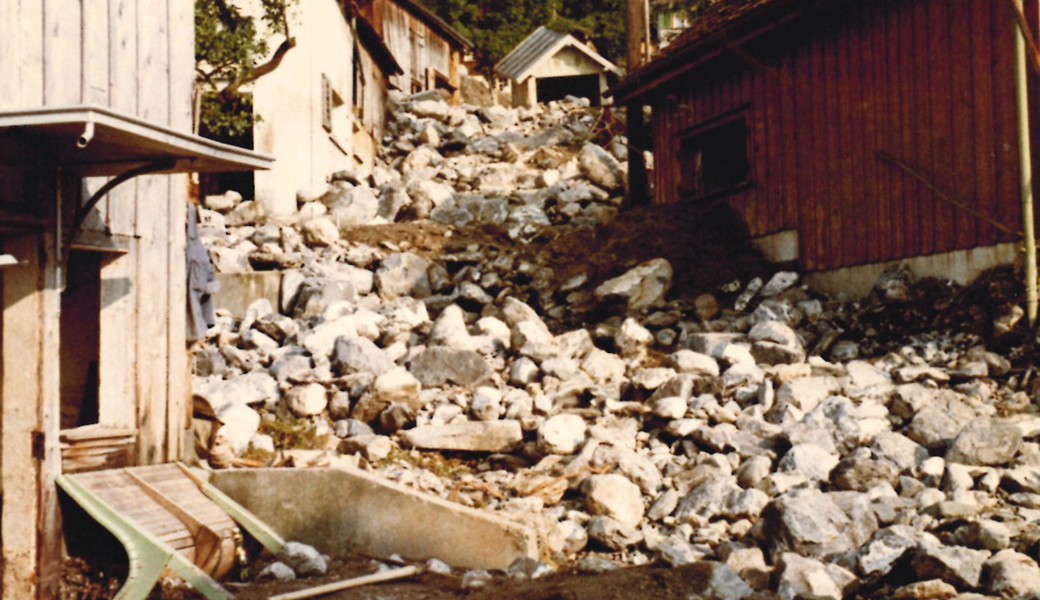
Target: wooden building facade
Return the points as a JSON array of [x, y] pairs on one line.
[[429, 51], [95, 135], [857, 127]]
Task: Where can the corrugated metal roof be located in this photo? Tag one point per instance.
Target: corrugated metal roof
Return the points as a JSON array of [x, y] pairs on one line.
[[539, 46]]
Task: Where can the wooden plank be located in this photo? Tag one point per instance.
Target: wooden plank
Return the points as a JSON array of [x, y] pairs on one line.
[[23, 371], [854, 205], [21, 46], [95, 53], [921, 143], [62, 52], [116, 352], [775, 193], [981, 52], [962, 127], [871, 50], [941, 110], [886, 88], [153, 253], [789, 135], [758, 115], [834, 235], [122, 96], [904, 192], [177, 368], [1005, 146], [814, 221]]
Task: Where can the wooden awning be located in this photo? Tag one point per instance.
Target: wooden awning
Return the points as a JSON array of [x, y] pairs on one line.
[[96, 141]]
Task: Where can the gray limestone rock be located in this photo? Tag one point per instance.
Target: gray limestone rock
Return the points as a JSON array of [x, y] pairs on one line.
[[276, 571], [470, 436], [1011, 574], [600, 167], [810, 460], [403, 274], [802, 578], [304, 560], [436, 366], [956, 565], [642, 286], [985, 442], [616, 497], [807, 522], [610, 533], [937, 424], [358, 354], [562, 434], [307, 400]]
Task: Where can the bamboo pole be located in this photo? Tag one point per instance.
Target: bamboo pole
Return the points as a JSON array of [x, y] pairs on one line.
[[348, 583], [1026, 168]]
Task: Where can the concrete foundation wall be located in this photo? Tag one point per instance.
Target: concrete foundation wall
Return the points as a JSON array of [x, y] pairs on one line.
[[239, 290], [341, 512], [961, 266]]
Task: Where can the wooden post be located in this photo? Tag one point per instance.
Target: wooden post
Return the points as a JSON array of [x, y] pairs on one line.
[[30, 412], [1026, 169], [635, 124]]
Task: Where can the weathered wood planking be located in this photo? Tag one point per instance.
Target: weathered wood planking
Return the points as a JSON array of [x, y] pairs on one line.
[[152, 226], [927, 81], [23, 332], [62, 45], [21, 45], [182, 79]]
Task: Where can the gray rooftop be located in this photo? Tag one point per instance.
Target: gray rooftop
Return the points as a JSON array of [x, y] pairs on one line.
[[539, 46]]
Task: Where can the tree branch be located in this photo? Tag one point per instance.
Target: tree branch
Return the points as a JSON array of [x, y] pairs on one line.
[[260, 71]]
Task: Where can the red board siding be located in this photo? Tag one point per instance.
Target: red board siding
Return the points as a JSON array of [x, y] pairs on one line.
[[929, 82]]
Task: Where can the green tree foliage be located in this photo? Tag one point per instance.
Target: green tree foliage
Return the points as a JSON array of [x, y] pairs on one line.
[[496, 26], [231, 51]]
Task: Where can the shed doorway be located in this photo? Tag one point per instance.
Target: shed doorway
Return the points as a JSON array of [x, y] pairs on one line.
[[556, 88], [80, 340]]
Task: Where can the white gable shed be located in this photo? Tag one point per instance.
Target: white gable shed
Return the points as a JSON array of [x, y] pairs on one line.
[[548, 66]]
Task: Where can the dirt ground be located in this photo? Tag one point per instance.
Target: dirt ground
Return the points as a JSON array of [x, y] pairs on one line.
[[624, 584]]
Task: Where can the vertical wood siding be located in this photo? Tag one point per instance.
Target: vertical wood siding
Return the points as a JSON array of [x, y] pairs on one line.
[[137, 57], [929, 82], [431, 50]]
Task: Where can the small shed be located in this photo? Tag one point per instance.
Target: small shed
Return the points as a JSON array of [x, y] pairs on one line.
[[95, 138], [850, 135], [428, 49], [548, 66]]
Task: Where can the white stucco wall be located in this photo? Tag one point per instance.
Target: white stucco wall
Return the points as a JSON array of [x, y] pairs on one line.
[[568, 61], [289, 102]]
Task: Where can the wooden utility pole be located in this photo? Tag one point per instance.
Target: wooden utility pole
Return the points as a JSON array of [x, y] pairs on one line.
[[636, 126]]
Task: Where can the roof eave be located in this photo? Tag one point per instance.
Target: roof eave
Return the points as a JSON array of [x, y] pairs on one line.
[[95, 140], [709, 47]]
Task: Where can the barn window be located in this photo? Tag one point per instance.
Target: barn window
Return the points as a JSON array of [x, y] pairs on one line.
[[714, 157]]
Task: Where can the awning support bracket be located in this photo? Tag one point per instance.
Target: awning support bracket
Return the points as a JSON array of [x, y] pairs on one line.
[[83, 210]]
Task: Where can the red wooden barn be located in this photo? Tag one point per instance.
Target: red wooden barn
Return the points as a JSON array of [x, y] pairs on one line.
[[847, 133]]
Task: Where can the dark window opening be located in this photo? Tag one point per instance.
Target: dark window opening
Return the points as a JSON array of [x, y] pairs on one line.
[[214, 184], [714, 159], [357, 97], [441, 82], [580, 86], [80, 340]]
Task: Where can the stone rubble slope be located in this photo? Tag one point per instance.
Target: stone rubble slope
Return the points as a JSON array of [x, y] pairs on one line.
[[719, 434]]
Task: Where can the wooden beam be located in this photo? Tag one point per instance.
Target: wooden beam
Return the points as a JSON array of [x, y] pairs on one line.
[[30, 412]]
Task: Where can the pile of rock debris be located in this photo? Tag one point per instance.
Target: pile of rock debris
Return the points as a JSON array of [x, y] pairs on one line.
[[752, 435]]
